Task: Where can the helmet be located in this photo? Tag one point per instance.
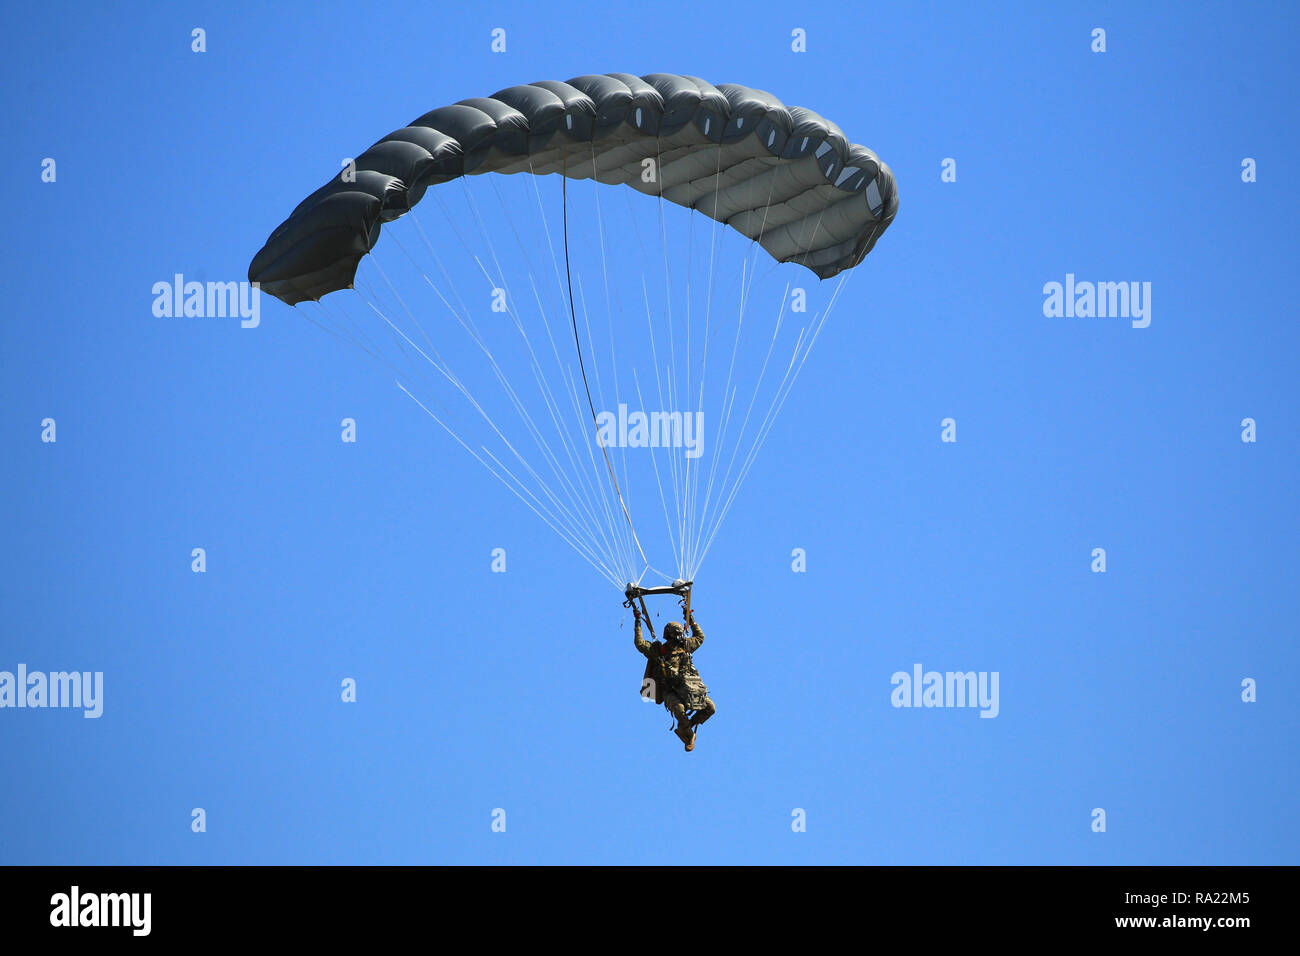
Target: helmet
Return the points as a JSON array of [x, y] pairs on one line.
[[673, 631]]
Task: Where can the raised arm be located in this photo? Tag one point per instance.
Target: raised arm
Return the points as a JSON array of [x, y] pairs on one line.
[[697, 635], [642, 645]]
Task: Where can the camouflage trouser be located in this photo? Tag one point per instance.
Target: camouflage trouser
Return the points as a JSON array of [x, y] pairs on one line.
[[677, 707]]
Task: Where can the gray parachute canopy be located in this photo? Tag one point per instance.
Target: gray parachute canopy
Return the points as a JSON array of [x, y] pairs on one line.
[[781, 175]]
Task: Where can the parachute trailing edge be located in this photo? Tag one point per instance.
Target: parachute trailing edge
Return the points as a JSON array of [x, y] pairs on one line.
[[783, 176]]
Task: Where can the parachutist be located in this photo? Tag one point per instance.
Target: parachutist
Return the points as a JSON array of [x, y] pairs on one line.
[[671, 671]]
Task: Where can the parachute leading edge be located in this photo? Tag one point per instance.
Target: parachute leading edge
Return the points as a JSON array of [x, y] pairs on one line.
[[783, 176]]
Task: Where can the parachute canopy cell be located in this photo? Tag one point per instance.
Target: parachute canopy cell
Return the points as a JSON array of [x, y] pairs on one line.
[[781, 175]]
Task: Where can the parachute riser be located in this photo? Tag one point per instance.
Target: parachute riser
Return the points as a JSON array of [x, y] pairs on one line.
[[637, 593]]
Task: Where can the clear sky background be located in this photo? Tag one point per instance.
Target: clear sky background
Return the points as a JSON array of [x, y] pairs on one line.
[[518, 691]]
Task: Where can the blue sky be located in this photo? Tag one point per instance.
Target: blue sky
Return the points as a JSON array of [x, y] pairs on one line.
[[479, 690]]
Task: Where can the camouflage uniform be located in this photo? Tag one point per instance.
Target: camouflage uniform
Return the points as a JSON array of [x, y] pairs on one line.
[[677, 684]]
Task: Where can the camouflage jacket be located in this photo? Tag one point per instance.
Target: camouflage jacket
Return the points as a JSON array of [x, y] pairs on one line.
[[672, 663]]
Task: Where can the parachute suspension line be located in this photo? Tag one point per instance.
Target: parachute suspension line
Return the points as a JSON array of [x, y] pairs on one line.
[[441, 366], [783, 392], [552, 404], [618, 553], [359, 337], [593, 484], [585, 495], [591, 559], [617, 543], [341, 336], [522, 492], [748, 268], [693, 474], [577, 344], [758, 385], [686, 467], [776, 409], [654, 461], [674, 469], [728, 399], [727, 496], [531, 500], [600, 391], [744, 291], [609, 304], [368, 347], [625, 528], [644, 257], [572, 522]]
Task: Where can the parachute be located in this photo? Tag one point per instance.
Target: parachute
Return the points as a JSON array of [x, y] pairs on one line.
[[783, 178]]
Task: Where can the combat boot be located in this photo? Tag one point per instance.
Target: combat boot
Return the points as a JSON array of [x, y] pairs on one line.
[[686, 734]]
